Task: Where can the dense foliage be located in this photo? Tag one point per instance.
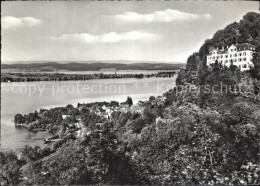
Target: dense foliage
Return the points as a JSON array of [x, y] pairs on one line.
[[9, 168], [189, 137], [245, 31]]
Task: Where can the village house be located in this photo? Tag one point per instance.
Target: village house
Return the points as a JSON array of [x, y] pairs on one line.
[[123, 107], [64, 116], [241, 55], [136, 108]]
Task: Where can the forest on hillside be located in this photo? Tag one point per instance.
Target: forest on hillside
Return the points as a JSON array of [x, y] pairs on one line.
[[245, 31], [191, 137]]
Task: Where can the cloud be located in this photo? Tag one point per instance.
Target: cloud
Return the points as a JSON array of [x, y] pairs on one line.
[[9, 22], [167, 15], [111, 37]]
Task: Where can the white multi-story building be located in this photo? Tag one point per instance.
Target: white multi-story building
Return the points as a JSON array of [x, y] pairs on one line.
[[240, 55]]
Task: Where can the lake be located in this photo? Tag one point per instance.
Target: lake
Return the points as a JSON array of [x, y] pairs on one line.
[[25, 97], [87, 72]]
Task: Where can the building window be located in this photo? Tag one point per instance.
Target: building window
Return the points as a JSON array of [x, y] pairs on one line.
[[226, 56], [231, 50], [235, 49], [235, 55], [244, 53], [244, 66], [240, 54], [226, 61], [244, 59], [221, 56], [239, 59], [213, 57], [235, 60]]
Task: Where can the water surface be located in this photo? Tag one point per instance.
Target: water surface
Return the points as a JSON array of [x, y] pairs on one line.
[[25, 97]]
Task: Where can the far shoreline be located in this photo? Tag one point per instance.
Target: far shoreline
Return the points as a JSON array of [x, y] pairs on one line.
[[37, 76]]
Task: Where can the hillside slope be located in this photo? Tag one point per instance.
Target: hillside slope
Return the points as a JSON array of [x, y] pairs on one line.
[[246, 30], [194, 134]]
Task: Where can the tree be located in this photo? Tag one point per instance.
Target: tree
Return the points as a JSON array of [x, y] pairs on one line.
[[202, 71], [137, 125], [192, 62], [9, 168], [69, 107], [18, 119], [151, 99], [129, 101], [30, 154], [255, 71]]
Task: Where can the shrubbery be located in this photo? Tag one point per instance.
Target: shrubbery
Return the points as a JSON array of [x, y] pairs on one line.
[[205, 138]]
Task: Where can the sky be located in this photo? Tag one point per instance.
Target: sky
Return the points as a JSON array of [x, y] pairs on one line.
[[65, 31]]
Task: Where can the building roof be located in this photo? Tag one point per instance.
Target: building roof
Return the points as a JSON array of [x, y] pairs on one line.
[[240, 47], [211, 48], [245, 46], [222, 52]]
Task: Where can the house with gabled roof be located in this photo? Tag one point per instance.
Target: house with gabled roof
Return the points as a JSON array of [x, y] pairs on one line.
[[240, 55]]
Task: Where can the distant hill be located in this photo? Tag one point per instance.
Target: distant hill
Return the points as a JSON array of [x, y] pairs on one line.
[[94, 66]]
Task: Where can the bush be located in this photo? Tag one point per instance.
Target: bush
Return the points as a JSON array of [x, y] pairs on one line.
[[137, 125]]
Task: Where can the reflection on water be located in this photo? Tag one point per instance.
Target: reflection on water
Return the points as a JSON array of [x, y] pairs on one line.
[[27, 97]]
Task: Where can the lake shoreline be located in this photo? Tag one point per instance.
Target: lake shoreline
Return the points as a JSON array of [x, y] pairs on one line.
[[31, 77], [16, 137]]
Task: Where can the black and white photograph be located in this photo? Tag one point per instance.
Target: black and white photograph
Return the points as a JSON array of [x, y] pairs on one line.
[[130, 92]]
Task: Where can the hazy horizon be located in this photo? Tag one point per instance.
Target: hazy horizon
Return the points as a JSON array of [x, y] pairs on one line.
[[90, 61], [74, 31]]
